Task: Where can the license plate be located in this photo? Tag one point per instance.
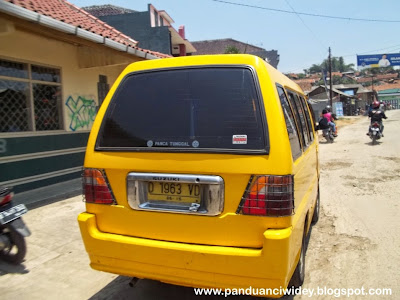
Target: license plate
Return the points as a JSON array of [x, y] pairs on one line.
[[174, 192], [12, 213]]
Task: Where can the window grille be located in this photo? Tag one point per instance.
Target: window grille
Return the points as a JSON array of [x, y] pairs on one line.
[[30, 97]]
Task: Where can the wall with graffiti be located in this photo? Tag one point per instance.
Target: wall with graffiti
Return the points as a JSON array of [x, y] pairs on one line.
[[81, 112]]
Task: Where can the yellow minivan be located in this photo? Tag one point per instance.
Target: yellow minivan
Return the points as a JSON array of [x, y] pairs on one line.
[[202, 171]]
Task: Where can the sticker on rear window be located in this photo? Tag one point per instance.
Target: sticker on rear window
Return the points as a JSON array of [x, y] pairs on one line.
[[195, 144], [239, 139]]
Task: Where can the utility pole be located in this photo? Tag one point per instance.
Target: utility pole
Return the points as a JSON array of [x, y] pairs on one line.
[[330, 79]]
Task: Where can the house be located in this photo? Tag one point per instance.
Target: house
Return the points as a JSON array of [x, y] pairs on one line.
[[57, 62], [391, 96], [352, 97], [152, 28], [219, 47], [306, 84]]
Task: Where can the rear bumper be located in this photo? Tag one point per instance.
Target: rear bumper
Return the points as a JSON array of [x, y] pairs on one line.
[[191, 265]]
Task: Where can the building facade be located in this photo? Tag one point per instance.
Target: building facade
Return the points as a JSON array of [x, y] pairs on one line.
[[152, 28], [219, 47], [53, 77], [391, 96]]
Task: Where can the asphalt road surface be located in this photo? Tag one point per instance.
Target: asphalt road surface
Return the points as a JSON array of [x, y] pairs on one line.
[[355, 244]]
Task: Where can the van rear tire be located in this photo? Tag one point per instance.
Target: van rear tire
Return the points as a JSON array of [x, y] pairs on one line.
[[299, 274], [315, 216]]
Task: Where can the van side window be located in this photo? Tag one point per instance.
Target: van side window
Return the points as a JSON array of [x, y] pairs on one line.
[[299, 114], [290, 124], [307, 113]]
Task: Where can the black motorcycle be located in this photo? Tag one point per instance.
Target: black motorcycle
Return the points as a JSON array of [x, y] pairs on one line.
[[375, 132], [12, 229], [327, 133]]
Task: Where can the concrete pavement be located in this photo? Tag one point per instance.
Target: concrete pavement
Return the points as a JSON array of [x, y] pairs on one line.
[[57, 265]]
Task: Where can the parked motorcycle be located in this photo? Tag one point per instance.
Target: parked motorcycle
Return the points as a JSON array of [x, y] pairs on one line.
[[375, 132], [12, 229], [328, 134]]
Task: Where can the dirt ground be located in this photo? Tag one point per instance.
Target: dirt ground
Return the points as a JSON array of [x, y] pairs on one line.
[[355, 244]]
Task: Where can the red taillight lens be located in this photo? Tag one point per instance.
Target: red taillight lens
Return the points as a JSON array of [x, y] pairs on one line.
[[96, 188], [6, 199], [269, 196], [375, 124]]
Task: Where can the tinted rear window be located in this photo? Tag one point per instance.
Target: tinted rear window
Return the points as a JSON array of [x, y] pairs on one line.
[[194, 109]]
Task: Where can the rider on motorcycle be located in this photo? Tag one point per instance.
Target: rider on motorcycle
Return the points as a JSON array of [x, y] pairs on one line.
[[326, 113], [376, 115]]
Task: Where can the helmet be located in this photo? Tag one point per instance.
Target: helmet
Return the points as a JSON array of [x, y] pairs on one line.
[[328, 108], [375, 104]]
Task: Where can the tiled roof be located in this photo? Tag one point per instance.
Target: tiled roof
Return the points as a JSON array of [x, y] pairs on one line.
[[107, 10], [68, 13], [387, 76], [384, 77], [306, 84], [387, 86]]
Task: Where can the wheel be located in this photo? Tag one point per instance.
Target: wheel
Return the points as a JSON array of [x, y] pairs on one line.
[[15, 253], [374, 140], [299, 274], [315, 216]]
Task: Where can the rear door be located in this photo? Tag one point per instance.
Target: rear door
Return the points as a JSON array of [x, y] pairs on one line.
[[179, 147]]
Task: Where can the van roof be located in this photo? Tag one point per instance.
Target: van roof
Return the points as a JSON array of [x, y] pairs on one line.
[[218, 59]]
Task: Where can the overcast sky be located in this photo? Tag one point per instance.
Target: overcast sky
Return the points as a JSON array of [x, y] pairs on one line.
[[301, 40]]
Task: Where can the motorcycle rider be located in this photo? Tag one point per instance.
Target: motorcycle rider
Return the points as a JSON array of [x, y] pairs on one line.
[[326, 113], [376, 115]]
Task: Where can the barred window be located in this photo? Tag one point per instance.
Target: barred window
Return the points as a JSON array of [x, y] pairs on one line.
[[30, 97]]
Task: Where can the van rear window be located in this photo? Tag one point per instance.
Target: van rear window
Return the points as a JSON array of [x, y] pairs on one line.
[[193, 109]]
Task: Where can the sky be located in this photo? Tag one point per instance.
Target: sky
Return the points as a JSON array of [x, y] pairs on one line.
[[301, 40]]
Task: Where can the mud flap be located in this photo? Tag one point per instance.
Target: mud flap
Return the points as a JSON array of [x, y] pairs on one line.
[[19, 226]]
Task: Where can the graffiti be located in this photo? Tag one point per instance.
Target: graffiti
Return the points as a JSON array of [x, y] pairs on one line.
[[83, 112], [3, 146]]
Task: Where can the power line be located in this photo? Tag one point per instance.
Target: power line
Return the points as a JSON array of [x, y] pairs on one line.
[[390, 47], [301, 19], [308, 14]]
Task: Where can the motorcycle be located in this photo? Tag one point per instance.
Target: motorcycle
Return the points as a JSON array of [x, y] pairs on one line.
[[12, 228], [375, 132], [328, 134]]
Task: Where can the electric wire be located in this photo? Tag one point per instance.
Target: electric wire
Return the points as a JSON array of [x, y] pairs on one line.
[[305, 25], [308, 14]]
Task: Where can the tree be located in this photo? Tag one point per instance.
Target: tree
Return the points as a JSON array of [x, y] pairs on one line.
[[338, 65], [315, 69], [231, 50]]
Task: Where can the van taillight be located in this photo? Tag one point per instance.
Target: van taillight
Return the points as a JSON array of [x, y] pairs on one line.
[[96, 188], [269, 196]]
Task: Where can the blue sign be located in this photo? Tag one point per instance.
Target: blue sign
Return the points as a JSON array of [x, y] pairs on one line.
[[378, 60], [338, 109]]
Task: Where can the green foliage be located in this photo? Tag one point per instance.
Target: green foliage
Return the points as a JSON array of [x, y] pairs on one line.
[[231, 50], [343, 80], [338, 65]]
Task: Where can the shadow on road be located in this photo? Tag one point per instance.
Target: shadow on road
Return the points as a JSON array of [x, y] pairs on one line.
[[148, 289], [6, 268], [370, 143]]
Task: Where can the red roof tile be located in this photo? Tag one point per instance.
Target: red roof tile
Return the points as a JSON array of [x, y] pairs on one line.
[[387, 86], [387, 76], [68, 13]]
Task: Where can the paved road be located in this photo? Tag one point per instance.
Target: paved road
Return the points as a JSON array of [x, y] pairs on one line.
[[356, 242]]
